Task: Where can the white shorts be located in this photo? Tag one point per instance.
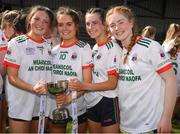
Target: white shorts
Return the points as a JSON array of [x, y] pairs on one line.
[[24, 105]]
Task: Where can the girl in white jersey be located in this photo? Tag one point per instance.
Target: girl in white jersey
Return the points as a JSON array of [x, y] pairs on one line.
[[72, 58], [147, 84], [28, 62], [101, 98], [6, 32]]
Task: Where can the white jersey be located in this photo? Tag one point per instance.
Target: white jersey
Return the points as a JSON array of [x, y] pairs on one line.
[[106, 59], [69, 61], [3, 47], [176, 67], [33, 61], [141, 88]]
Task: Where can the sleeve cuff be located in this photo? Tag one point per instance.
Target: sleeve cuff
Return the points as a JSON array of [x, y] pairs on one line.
[[6, 63], [90, 65], [165, 68], [113, 72]]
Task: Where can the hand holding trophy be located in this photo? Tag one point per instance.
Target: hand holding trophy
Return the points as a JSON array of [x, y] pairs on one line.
[[61, 114]]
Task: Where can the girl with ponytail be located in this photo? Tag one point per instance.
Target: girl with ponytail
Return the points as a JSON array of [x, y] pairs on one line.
[[149, 32], [147, 84]]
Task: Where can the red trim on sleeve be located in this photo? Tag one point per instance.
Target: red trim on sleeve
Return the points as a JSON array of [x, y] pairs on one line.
[[6, 63], [90, 65], [3, 48], [113, 72], [165, 68]]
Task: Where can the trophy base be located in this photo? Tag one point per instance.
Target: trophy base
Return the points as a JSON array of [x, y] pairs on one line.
[[62, 122]]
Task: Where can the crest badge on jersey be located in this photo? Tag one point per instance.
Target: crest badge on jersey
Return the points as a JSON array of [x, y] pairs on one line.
[[99, 56], [114, 59], [30, 51], [74, 56], [9, 51], [162, 54], [134, 57], [49, 52], [3, 39]]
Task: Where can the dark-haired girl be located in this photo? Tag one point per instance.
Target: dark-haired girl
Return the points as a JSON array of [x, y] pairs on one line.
[[28, 61], [72, 58], [101, 96]]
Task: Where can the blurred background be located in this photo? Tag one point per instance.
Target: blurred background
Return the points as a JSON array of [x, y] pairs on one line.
[[159, 13]]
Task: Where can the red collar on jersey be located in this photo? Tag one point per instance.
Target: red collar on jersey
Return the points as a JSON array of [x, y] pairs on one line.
[[138, 39], [104, 43], [37, 41], [69, 45]]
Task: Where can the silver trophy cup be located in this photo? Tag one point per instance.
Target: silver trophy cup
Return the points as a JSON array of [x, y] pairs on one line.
[[61, 114]]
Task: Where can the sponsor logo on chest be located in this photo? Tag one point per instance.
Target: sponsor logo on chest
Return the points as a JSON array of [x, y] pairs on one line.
[[30, 51]]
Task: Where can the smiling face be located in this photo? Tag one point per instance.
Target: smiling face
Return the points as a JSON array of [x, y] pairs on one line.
[[39, 24], [8, 30], [94, 25], [120, 27], [66, 28]]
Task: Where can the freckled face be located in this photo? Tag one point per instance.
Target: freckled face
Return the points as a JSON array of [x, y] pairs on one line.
[[39, 23], [94, 25], [120, 27]]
